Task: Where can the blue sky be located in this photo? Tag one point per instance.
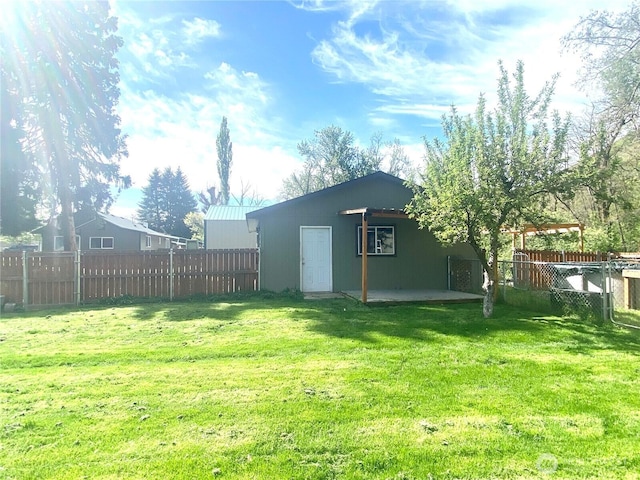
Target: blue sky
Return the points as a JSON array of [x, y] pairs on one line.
[[280, 70]]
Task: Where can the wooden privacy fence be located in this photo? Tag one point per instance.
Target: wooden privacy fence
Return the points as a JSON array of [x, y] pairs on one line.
[[38, 279], [561, 256], [532, 267]]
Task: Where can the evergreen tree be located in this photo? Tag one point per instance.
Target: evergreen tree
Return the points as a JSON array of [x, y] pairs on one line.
[[64, 55], [19, 190], [151, 210], [166, 201], [180, 202]]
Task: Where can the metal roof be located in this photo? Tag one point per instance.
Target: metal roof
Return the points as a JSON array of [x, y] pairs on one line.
[[228, 212]]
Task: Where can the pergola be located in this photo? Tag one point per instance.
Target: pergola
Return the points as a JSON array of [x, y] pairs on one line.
[[367, 213], [546, 229]]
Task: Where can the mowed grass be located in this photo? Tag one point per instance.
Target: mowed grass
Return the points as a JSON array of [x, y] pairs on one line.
[[271, 388]]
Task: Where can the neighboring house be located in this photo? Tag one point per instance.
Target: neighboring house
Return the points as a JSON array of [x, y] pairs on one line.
[[101, 231], [314, 242], [225, 226]]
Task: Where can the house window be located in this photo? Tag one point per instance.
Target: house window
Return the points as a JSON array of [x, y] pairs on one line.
[[148, 241], [58, 243], [381, 240], [97, 243]]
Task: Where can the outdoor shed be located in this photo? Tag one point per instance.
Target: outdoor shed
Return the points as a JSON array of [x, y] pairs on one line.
[[314, 242], [225, 226]]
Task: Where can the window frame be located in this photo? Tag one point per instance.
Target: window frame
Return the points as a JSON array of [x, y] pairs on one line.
[[102, 242], [148, 241], [58, 243], [375, 229]]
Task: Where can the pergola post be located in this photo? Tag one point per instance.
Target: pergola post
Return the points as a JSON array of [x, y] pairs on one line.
[[366, 213], [364, 256]]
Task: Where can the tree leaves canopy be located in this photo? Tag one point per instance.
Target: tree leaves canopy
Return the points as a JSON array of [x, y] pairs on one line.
[[166, 201], [493, 168], [605, 139], [63, 60], [332, 157]]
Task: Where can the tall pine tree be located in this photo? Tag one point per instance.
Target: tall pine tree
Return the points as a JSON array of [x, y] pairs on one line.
[[151, 210], [166, 201], [19, 189], [63, 55]]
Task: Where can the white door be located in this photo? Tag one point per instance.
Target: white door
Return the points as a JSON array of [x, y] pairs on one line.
[[315, 259]]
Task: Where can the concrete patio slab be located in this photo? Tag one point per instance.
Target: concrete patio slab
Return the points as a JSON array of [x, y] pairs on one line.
[[420, 296]]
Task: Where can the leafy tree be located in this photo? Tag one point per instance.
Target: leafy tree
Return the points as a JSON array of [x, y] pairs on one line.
[[399, 163], [225, 158], [493, 169], [166, 201], [609, 45], [64, 57], [332, 157], [195, 222]]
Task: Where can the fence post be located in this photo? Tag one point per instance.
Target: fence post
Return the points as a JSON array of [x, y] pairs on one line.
[[171, 275], [76, 264], [448, 272], [610, 293], [604, 290], [504, 281], [25, 280]]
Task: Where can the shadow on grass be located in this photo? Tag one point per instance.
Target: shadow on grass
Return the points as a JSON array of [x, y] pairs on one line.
[[347, 318], [228, 307], [413, 321], [421, 322]]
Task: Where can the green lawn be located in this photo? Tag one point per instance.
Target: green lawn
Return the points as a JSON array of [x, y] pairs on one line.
[[275, 388]]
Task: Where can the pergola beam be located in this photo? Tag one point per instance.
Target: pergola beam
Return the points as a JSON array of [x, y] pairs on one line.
[[546, 229], [375, 212]]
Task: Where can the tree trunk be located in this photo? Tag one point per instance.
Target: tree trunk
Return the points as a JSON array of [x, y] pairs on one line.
[[490, 284], [68, 223]]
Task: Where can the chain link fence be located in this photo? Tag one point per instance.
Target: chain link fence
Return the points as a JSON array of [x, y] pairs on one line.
[[601, 291]]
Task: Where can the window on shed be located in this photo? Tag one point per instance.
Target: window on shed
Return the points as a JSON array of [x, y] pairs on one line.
[[381, 240]]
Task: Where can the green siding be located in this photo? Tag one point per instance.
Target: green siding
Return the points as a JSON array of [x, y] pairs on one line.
[[419, 263]]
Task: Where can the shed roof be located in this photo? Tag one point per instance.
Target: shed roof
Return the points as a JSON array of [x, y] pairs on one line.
[[228, 212], [320, 193]]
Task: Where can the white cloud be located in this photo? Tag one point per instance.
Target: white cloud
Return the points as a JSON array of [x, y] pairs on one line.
[[171, 107], [181, 131], [197, 29], [400, 62]]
